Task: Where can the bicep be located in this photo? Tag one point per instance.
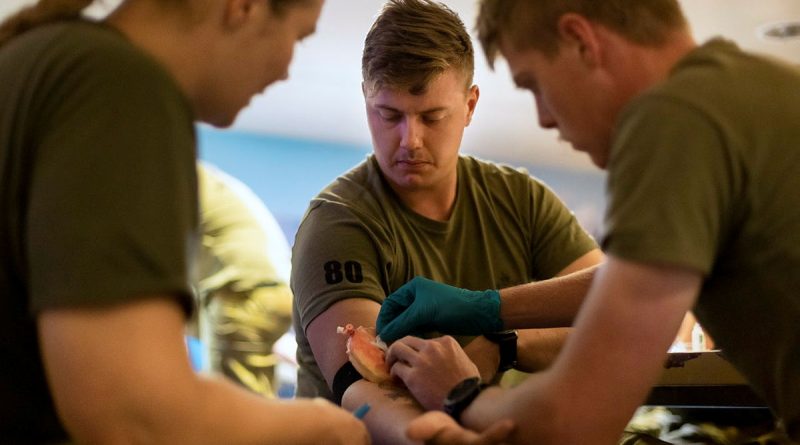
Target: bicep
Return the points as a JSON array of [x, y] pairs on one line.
[[108, 365], [328, 346]]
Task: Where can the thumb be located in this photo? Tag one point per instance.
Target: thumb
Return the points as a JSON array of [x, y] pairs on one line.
[[428, 425], [500, 431]]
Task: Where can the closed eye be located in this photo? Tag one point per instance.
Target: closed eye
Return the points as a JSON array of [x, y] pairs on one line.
[[389, 116], [432, 118]]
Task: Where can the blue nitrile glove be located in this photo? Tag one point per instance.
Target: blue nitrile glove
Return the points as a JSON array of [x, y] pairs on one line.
[[426, 305]]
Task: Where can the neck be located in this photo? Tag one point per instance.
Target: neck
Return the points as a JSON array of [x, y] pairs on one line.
[[177, 45], [434, 202], [641, 67]]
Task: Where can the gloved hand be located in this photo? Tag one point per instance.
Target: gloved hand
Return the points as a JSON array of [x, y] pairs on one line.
[[426, 305]]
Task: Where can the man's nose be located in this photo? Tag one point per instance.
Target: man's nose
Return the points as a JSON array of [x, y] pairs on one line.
[[412, 130]]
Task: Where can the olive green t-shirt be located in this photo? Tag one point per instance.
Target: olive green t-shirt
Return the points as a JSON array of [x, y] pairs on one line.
[[98, 196], [358, 240], [705, 173]]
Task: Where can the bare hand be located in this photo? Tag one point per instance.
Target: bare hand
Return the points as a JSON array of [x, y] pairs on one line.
[[430, 368], [436, 427], [340, 426]]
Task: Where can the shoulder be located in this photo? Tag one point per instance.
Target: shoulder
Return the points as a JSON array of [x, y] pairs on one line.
[[718, 80], [79, 43], [85, 57], [361, 191], [497, 178], [356, 206]]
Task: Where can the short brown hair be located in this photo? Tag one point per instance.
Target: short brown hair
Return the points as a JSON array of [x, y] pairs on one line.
[[48, 11], [280, 6], [533, 23], [413, 41]]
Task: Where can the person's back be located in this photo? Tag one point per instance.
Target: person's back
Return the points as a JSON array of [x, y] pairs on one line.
[[734, 206]]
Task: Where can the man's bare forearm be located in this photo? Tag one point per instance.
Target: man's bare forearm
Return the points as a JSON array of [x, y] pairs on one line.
[[486, 356], [150, 394], [545, 304], [537, 349], [392, 408]]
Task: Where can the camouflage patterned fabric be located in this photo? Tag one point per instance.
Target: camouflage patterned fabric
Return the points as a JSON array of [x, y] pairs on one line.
[[240, 329]]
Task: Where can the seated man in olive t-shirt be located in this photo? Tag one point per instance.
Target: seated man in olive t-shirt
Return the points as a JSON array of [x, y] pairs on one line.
[[416, 207]]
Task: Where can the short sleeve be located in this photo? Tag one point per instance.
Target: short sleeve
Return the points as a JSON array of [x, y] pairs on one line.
[[336, 256], [670, 185], [113, 200], [558, 238]]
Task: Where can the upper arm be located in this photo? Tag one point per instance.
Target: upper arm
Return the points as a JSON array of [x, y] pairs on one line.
[[557, 240], [109, 366], [336, 279], [328, 346], [589, 259], [622, 334], [335, 257]]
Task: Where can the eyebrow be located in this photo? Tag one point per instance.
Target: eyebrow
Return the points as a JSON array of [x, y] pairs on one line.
[[395, 110]]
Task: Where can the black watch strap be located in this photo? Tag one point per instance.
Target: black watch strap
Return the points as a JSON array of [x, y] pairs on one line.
[[507, 341], [461, 396]]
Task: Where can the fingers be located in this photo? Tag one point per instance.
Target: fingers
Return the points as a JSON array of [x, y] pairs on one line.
[[436, 427], [413, 342], [499, 432], [393, 306], [402, 324], [400, 371], [400, 351], [408, 348], [427, 426]]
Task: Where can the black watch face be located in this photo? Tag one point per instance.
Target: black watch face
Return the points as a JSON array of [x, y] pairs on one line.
[[461, 396], [463, 390]]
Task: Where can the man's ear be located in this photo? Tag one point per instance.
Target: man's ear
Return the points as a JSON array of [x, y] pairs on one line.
[[472, 101], [237, 12], [577, 31]]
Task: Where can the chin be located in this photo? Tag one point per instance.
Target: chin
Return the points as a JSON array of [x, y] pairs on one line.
[[408, 182], [600, 161], [219, 114], [599, 157], [219, 121]]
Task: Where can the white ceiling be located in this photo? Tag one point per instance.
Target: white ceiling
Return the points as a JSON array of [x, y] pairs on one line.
[[322, 99]]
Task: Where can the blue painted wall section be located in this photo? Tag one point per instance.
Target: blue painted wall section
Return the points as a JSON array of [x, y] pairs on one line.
[[286, 173]]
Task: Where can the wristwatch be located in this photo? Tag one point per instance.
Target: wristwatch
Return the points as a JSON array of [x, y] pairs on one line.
[[507, 340], [459, 398]]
